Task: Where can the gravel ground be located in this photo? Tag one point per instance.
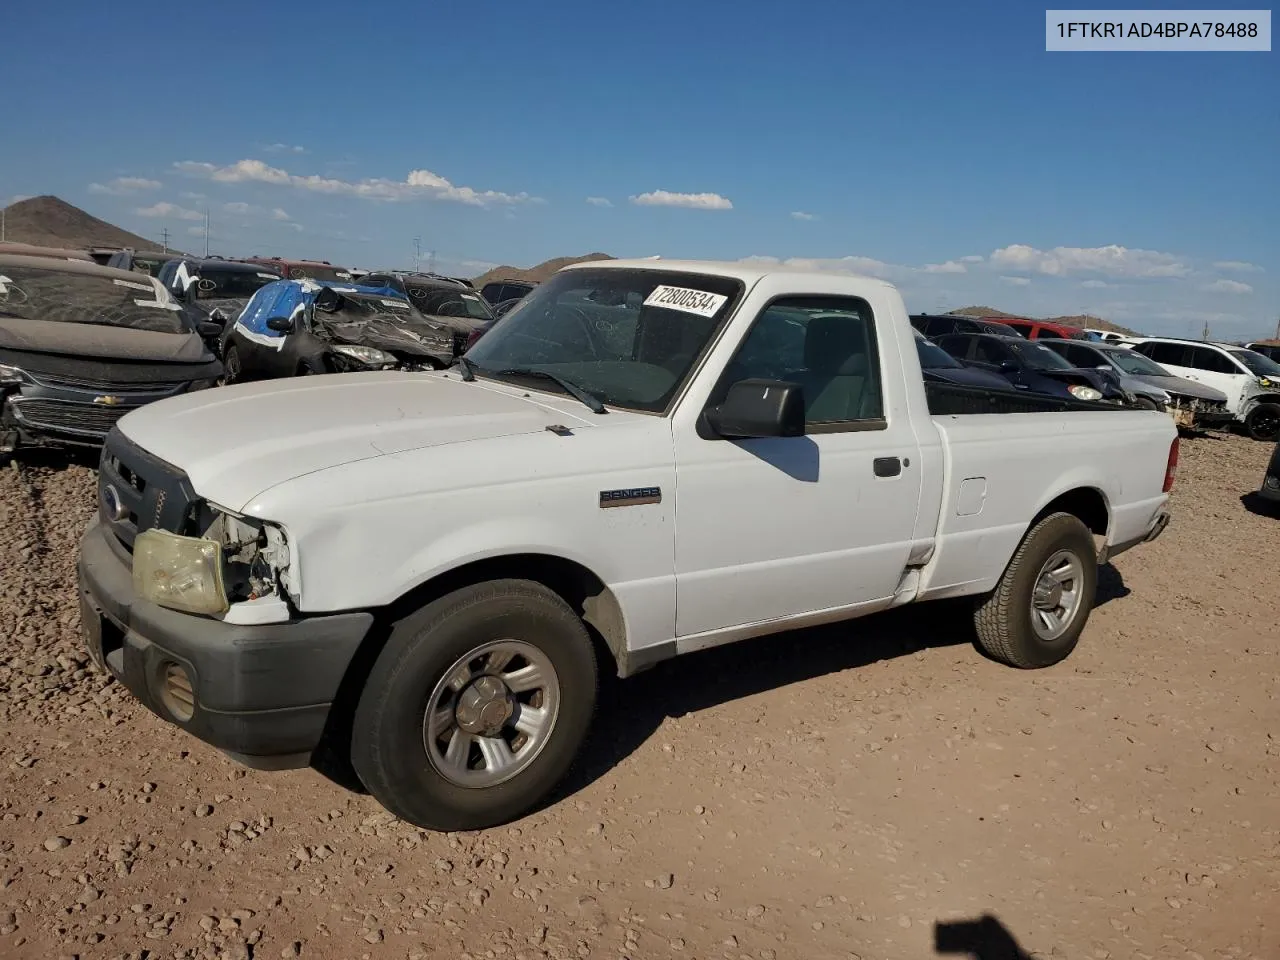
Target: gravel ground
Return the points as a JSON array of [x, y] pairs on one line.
[[855, 791]]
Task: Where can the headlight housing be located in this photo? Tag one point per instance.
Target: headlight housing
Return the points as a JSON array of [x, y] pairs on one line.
[[369, 356], [9, 376], [1265, 382], [181, 573], [1081, 392]]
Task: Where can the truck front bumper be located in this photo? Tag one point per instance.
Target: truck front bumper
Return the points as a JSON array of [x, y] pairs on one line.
[[260, 693]]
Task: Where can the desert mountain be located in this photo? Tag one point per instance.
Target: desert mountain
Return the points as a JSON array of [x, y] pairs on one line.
[[539, 273], [51, 222]]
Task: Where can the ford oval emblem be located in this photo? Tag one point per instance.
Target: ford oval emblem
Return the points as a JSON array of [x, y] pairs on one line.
[[113, 507]]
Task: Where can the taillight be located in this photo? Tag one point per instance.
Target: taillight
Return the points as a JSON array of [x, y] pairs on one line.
[[1171, 468]]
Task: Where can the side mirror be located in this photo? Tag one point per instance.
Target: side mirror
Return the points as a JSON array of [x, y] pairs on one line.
[[280, 324], [759, 408], [207, 328]]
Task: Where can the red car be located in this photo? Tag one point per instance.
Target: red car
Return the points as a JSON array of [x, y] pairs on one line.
[[1034, 329]]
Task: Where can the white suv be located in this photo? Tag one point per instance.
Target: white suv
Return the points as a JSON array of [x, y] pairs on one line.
[[1250, 380]]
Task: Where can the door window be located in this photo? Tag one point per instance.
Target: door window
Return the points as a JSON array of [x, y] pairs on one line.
[[1173, 354], [1211, 361], [825, 344]]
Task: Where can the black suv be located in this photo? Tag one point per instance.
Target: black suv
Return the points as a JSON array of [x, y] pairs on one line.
[[140, 261], [500, 291], [214, 289], [934, 325], [443, 300]]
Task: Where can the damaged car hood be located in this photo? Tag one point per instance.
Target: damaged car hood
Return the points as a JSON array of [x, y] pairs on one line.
[[274, 431], [98, 340], [407, 335]]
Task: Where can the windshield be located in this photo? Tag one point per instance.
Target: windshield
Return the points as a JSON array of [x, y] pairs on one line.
[[1132, 362], [933, 357], [64, 297], [215, 284], [1038, 357], [1257, 363], [627, 336], [318, 271], [449, 302], [999, 329]]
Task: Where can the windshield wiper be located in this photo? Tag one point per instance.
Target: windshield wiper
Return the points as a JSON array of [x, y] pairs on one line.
[[569, 387]]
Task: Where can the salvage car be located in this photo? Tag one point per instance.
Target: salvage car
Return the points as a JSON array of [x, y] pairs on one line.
[[216, 289], [940, 367], [305, 327], [304, 269], [423, 574], [140, 261], [1035, 329], [81, 345], [444, 299], [1031, 367], [1270, 488], [1250, 381], [934, 325], [1192, 405], [503, 290]]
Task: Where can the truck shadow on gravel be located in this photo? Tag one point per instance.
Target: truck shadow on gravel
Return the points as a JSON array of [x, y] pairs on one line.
[[984, 938], [630, 711]]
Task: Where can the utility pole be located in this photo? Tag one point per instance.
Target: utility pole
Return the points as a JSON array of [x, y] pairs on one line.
[[417, 253], [206, 232], [1278, 328], [164, 240], [431, 262]]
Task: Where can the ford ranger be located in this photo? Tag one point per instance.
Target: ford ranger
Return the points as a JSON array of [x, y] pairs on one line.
[[644, 459]]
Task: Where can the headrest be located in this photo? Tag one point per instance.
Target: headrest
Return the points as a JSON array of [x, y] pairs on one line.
[[836, 346]]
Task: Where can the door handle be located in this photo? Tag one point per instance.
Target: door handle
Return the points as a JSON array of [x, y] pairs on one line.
[[886, 466]]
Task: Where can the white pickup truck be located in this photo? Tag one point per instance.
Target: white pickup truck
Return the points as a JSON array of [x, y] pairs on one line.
[[643, 459]]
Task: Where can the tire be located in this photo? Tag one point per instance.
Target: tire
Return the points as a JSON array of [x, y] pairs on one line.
[[1263, 422], [232, 369], [400, 753], [1006, 620], [1145, 403]]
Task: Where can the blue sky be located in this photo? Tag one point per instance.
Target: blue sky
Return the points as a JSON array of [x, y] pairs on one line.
[[937, 145]]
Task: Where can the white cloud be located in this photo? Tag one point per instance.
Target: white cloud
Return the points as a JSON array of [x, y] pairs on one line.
[[165, 209], [599, 201], [801, 215], [1238, 266], [972, 258], [1227, 286], [1097, 285], [19, 197], [278, 214], [284, 148], [189, 195], [196, 231], [1110, 261], [1016, 281], [693, 201], [418, 185], [239, 207], [865, 266], [951, 266], [123, 185]]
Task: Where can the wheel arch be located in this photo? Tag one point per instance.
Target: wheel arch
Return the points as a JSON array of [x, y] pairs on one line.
[[574, 583], [1088, 504]]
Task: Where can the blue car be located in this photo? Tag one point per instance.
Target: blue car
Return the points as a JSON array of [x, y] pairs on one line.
[[301, 327]]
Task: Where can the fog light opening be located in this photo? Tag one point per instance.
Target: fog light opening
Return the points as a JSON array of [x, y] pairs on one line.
[[176, 692]]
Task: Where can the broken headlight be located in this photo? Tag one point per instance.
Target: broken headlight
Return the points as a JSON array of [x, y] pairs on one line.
[[255, 557], [364, 356], [181, 573]]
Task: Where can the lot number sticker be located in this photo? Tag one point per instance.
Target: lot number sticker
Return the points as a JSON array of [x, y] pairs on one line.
[[682, 298]]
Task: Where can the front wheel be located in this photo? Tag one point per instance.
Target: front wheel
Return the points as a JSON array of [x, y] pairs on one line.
[[1040, 606], [1145, 403], [477, 706], [232, 370], [1263, 422]]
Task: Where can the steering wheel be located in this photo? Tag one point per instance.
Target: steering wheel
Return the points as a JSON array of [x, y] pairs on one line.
[[584, 321]]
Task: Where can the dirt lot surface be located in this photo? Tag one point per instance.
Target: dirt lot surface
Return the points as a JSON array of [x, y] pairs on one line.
[[848, 792]]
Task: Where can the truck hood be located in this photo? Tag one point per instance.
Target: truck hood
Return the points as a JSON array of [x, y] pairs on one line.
[[236, 442]]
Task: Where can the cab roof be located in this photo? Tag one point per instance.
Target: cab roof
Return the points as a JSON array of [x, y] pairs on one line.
[[748, 271]]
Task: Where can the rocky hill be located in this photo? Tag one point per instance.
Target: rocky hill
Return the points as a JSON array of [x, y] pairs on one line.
[[52, 222], [539, 273]]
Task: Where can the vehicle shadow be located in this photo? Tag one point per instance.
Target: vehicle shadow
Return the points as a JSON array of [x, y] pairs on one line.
[[630, 711], [985, 938], [1260, 506]]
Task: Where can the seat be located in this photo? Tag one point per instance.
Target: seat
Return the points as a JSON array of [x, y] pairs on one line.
[[836, 374]]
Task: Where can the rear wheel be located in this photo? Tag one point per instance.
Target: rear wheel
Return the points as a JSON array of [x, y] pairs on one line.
[[476, 707], [1145, 403], [1263, 422], [1039, 608]]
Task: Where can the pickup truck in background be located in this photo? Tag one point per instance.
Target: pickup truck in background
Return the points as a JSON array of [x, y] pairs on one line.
[[424, 573]]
